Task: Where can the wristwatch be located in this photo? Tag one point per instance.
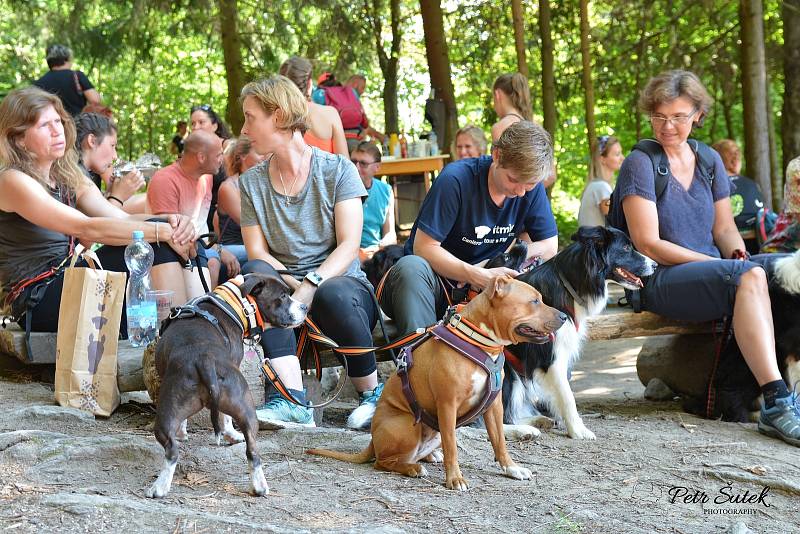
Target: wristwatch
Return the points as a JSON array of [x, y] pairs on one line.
[[314, 278]]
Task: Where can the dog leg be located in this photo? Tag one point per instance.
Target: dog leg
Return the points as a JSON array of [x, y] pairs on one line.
[[556, 386], [398, 441], [163, 483], [182, 434], [242, 409], [520, 432], [493, 418], [230, 434], [447, 411], [434, 457]]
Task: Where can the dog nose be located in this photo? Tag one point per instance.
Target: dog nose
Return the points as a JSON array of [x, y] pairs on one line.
[[562, 317], [304, 307]]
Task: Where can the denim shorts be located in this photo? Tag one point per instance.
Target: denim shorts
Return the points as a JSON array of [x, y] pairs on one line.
[[697, 291]]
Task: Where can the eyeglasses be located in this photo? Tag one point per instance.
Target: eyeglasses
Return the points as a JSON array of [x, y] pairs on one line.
[[660, 121], [362, 163], [202, 107]]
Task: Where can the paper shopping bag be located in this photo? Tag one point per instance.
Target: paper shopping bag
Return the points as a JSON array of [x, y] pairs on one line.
[[88, 331]]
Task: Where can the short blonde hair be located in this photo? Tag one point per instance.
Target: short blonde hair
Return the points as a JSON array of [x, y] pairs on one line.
[[278, 94], [526, 148], [19, 111], [673, 84], [728, 150]]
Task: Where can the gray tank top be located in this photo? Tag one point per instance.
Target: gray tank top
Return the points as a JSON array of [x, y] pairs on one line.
[[27, 250]]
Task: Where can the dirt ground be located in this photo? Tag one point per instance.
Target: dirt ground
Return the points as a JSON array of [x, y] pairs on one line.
[[652, 469]]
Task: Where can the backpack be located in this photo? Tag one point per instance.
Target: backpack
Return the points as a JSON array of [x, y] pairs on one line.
[[344, 99], [660, 161]]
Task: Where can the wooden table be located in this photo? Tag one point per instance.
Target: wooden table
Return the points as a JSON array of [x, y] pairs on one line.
[[395, 168], [424, 166]]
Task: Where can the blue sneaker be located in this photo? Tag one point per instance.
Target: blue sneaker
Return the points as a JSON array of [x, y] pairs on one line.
[[361, 417], [782, 421], [280, 413]]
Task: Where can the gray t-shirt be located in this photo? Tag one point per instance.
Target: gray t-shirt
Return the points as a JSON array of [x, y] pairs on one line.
[[590, 215], [685, 218], [301, 233]]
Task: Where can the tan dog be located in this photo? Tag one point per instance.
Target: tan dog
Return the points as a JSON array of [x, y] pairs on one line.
[[448, 385]]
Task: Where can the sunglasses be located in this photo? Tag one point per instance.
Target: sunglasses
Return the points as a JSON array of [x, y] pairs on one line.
[[362, 163], [202, 107], [602, 141]]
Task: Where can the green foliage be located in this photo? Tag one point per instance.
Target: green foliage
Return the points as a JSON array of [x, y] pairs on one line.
[[152, 60]]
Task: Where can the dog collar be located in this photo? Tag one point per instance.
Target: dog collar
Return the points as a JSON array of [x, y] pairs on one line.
[[471, 333], [571, 290], [243, 306]]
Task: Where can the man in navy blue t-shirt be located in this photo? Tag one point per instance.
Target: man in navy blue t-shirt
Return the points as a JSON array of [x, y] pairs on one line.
[[473, 212]]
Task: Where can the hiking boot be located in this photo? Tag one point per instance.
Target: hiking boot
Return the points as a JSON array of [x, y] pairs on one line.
[[281, 413], [782, 421], [361, 417]]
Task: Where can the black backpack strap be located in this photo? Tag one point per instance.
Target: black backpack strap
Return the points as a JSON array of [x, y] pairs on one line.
[[660, 162], [705, 159]]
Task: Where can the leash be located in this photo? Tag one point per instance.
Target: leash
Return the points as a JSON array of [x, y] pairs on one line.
[[711, 394]]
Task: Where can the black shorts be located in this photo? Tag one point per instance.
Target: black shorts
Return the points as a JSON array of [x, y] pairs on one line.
[[697, 291]]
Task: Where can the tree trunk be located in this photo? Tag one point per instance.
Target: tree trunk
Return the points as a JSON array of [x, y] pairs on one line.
[[790, 121], [754, 95], [518, 17], [439, 64], [548, 76], [588, 88], [232, 52], [776, 176], [388, 63]]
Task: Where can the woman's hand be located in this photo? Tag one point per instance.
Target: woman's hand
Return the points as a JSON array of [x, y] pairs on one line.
[[230, 262], [125, 187], [183, 230], [185, 251]]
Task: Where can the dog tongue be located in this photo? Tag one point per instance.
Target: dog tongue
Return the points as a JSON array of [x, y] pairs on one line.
[[551, 336]]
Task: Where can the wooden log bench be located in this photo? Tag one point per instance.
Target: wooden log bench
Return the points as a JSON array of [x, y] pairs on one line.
[[685, 341]]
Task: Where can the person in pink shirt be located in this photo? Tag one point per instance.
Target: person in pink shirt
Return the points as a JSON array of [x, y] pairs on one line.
[[185, 187]]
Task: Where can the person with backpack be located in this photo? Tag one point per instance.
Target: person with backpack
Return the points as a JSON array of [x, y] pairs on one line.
[[71, 86], [347, 101], [673, 198]]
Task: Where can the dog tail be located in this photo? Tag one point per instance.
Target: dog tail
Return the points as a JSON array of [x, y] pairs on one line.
[[208, 377], [362, 457]]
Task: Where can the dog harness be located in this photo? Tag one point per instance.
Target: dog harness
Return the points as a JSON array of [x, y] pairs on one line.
[[228, 298], [469, 341]]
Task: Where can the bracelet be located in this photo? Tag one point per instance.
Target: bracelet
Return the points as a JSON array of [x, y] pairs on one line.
[[112, 197], [157, 241]]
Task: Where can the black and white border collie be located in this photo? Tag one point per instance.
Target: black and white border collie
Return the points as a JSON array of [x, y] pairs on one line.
[[573, 281], [736, 391]]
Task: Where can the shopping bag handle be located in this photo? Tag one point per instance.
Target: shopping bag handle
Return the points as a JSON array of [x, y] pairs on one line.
[[88, 254]]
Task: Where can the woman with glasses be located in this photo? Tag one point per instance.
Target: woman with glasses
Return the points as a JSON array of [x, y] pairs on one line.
[[378, 209], [689, 230], [596, 197], [301, 211], [325, 129]]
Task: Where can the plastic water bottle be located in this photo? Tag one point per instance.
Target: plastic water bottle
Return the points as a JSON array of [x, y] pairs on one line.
[[434, 141], [141, 311]]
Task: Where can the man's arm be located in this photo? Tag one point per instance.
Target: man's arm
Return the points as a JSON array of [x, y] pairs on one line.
[[449, 266]]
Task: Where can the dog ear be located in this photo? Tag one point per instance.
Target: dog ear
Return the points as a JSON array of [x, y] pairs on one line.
[[253, 284], [500, 287]]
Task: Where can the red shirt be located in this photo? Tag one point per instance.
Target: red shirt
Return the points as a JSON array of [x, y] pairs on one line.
[[172, 191]]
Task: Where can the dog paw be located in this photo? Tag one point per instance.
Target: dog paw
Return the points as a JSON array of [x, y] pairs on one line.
[[457, 483], [233, 436], [156, 491], [434, 457], [182, 434], [581, 432], [540, 421], [517, 472], [258, 483], [520, 432]]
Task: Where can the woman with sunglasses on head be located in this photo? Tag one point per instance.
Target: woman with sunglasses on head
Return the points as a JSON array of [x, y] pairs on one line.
[[596, 197], [301, 211], [203, 117], [688, 228], [378, 230], [48, 205], [325, 129]]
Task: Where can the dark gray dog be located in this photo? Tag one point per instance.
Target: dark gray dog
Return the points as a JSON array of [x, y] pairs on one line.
[[198, 361]]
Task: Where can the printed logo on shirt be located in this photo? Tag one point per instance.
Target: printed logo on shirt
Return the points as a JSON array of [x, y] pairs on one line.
[[481, 231], [502, 232]]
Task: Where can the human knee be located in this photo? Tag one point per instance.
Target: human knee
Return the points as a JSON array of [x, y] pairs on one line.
[[754, 280], [412, 268]]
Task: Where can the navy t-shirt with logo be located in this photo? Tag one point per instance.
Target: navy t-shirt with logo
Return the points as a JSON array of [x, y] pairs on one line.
[[459, 213]]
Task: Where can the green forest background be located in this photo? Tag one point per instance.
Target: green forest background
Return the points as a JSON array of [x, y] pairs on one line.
[[152, 60]]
